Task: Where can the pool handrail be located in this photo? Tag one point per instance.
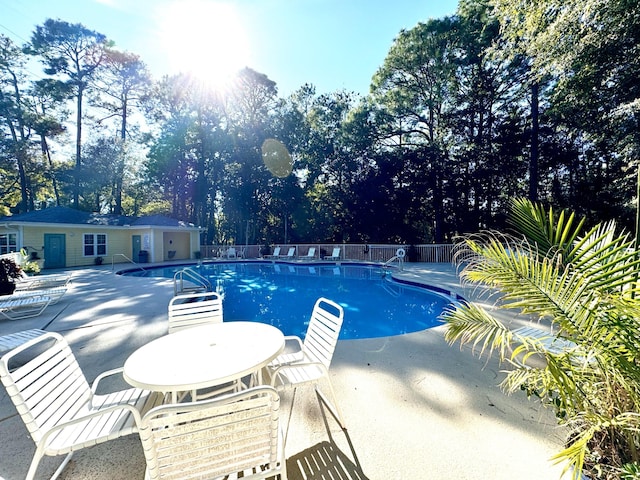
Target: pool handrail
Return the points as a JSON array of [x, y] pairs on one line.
[[113, 261], [197, 282]]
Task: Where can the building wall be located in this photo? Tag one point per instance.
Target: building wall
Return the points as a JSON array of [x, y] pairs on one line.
[[178, 242], [119, 243]]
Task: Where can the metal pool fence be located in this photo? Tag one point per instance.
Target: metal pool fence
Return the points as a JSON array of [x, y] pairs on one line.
[[432, 253]]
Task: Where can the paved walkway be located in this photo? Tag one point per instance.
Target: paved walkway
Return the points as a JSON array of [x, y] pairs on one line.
[[415, 407]]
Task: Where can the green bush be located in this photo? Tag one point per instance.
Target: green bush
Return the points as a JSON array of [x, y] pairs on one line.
[[585, 283]]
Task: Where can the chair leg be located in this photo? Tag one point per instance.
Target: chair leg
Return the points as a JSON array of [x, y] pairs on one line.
[[61, 467], [293, 401], [332, 405], [33, 468]]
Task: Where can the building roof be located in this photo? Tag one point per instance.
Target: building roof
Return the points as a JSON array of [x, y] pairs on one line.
[[66, 215]]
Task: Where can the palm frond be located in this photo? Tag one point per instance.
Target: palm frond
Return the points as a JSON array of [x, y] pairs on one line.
[[542, 228], [468, 323]]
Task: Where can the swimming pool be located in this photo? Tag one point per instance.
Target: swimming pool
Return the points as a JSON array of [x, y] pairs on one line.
[[283, 295]]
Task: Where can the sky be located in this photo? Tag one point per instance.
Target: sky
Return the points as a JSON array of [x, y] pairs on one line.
[[332, 44]]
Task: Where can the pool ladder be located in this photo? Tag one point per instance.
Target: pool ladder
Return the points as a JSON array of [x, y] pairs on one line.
[[398, 257], [188, 280]]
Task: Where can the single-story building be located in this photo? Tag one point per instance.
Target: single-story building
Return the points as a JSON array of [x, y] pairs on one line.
[[65, 237]]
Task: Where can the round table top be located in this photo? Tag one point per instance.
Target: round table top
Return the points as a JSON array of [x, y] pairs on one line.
[[203, 356]]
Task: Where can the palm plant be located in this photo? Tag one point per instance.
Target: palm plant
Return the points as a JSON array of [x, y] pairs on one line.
[[583, 281]]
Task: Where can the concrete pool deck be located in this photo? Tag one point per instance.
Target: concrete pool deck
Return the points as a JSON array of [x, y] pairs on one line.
[[415, 407]]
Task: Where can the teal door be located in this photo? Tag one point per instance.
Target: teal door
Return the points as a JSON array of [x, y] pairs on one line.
[[55, 251], [136, 242]]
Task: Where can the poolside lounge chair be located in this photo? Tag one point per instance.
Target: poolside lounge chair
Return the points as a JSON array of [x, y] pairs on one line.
[[550, 342], [39, 282], [17, 307], [55, 294], [13, 340], [290, 254], [192, 309], [235, 436], [231, 252], [60, 410], [308, 362], [275, 254], [311, 254], [335, 255]]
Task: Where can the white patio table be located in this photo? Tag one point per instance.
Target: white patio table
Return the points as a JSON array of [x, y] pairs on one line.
[[202, 357]]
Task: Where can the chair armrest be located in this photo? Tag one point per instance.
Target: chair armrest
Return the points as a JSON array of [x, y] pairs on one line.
[[292, 352], [290, 366], [102, 376], [293, 339], [105, 411]]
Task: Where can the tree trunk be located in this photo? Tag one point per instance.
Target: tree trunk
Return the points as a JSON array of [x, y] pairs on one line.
[[533, 161]]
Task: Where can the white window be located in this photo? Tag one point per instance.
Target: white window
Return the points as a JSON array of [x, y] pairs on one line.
[[95, 244], [8, 243]]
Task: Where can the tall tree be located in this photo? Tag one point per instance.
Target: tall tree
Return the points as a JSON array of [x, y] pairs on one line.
[[73, 52], [49, 98], [14, 115], [121, 86], [591, 47]]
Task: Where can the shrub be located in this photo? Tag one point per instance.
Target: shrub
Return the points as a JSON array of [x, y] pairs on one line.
[[585, 283]]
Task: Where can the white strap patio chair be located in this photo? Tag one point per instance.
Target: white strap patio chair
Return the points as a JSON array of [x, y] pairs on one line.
[[13, 340], [18, 307], [551, 343], [275, 254], [192, 309], [60, 410], [39, 282], [307, 363], [234, 436], [335, 255], [311, 254], [291, 253], [55, 294]]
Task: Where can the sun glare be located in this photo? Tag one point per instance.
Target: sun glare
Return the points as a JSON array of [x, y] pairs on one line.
[[205, 39]]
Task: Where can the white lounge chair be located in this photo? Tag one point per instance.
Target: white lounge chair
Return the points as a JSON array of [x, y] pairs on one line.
[[231, 252], [40, 282], [308, 362], [275, 254], [550, 342], [55, 294], [290, 254], [311, 254], [218, 438], [60, 410], [13, 340], [17, 307], [192, 309], [335, 255]]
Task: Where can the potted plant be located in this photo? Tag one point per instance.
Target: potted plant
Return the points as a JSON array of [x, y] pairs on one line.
[[585, 282], [9, 272]]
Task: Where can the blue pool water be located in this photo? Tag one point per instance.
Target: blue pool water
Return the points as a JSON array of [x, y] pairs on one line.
[[284, 294]]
